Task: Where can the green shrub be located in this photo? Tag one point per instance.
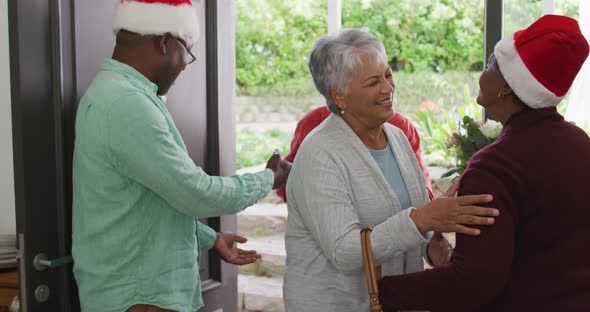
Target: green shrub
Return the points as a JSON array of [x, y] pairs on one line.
[[436, 127], [445, 89], [520, 14], [297, 86], [412, 89], [448, 90], [423, 35], [255, 147], [273, 39]]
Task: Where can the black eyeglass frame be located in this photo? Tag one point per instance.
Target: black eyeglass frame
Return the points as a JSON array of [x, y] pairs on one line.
[[192, 58]]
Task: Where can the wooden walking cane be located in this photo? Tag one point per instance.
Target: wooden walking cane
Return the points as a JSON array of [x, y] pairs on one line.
[[372, 273]]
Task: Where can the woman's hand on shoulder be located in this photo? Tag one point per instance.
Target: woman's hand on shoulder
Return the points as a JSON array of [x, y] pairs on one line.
[[448, 213]]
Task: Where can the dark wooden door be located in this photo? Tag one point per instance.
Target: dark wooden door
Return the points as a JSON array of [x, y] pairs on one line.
[[56, 48]]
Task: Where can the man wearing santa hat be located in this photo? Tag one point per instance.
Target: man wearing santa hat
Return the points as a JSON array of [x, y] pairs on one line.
[[534, 257], [136, 191]]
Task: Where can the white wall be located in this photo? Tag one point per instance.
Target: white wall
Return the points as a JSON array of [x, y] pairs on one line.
[[7, 217]]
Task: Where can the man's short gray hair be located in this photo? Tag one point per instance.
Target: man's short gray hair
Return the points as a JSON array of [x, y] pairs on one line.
[[335, 59]]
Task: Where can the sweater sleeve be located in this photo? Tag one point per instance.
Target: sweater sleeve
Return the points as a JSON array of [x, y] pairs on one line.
[[480, 265], [144, 150]]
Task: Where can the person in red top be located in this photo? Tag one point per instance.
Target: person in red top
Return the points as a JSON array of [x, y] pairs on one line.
[[315, 117], [533, 258]]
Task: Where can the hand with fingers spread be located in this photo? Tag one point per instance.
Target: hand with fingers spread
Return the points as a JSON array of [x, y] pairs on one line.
[[280, 168], [454, 214], [225, 247]]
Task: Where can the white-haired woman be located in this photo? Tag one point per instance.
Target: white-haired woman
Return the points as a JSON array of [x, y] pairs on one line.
[[355, 170]]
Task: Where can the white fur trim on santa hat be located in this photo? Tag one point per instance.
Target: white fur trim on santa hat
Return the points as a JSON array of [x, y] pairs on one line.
[[520, 79], [157, 19]]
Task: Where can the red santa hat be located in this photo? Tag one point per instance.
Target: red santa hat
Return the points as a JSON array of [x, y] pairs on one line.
[[540, 62], [157, 17]]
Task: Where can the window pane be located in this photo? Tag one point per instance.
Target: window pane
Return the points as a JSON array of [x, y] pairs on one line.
[[519, 14], [569, 8], [436, 51], [574, 106]]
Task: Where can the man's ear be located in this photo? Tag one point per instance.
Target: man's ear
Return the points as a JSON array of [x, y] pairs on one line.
[[338, 99], [161, 42]]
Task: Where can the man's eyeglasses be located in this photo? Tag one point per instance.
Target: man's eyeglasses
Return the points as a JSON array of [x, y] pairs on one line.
[[189, 57]]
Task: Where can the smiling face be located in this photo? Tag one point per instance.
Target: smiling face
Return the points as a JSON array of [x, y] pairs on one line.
[[369, 95], [492, 86]]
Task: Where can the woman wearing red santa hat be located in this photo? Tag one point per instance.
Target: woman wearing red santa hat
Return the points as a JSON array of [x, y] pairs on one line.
[[136, 191], [533, 258]]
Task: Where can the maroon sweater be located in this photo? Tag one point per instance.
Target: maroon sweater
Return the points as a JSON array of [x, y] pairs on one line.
[[536, 257]]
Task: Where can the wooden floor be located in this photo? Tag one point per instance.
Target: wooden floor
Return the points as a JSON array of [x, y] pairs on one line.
[[8, 288]]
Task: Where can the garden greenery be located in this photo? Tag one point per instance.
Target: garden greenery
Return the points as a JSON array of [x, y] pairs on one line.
[[274, 37], [255, 147], [435, 47]]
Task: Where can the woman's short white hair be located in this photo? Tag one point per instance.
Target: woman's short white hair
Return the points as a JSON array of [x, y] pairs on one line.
[[335, 59]]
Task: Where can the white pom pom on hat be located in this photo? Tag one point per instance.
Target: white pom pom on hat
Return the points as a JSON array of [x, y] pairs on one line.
[[158, 17], [541, 62]]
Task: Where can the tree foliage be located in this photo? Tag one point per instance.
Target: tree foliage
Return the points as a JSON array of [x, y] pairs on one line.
[[519, 14], [423, 35], [274, 37]]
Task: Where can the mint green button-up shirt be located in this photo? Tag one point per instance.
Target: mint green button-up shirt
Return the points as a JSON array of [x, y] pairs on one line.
[[136, 194]]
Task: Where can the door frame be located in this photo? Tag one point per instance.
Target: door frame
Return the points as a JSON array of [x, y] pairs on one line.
[[493, 29], [212, 153], [43, 104], [220, 290]]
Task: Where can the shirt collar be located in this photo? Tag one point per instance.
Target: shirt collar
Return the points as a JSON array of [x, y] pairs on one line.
[[136, 78]]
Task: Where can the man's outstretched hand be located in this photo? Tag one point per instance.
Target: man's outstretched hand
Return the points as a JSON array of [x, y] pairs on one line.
[[225, 247], [280, 168]]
